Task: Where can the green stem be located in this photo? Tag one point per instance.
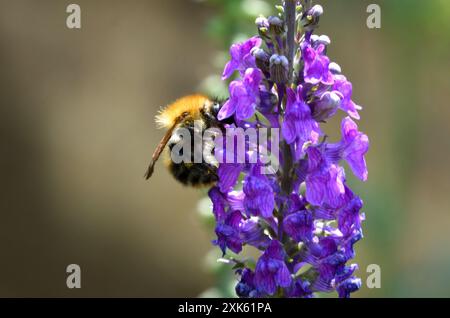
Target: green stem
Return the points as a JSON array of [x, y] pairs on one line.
[[289, 9], [286, 177]]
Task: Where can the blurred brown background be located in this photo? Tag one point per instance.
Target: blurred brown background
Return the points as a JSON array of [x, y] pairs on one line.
[[77, 109]]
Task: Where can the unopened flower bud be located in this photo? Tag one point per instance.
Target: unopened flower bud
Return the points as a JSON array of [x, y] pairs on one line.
[[311, 18], [317, 40], [326, 106], [276, 25], [280, 8], [279, 66], [261, 59], [262, 22], [279, 60], [335, 68], [316, 11]]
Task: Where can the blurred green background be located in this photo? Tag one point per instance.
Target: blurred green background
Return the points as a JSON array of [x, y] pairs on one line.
[[77, 109]]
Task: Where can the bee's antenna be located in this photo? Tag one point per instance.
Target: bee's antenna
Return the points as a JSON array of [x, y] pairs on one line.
[[160, 147], [158, 152]]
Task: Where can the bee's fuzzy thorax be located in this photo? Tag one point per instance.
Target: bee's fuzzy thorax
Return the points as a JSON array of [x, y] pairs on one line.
[[191, 104]]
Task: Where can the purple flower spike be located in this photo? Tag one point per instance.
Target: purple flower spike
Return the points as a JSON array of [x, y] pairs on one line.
[[244, 96], [303, 219], [241, 57], [271, 271]]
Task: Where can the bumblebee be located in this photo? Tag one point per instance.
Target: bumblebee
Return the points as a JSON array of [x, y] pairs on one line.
[[181, 115]]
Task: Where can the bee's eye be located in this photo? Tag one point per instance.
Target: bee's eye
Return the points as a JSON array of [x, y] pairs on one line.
[[216, 109], [185, 114]]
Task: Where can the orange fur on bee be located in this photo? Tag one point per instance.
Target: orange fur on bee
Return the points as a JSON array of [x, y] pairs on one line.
[[189, 104]]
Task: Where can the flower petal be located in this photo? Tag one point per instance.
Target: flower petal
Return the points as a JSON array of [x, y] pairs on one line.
[[227, 110], [228, 176]]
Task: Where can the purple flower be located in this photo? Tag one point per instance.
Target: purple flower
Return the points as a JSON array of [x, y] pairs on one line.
[[317, 66], [298, 126], [252, 233], [244, 96], [220, 203], [320, 250], [241, 57], [300, 289], [344, 88], [236, 200], [296, 203], [271, 271], [325, 182], [343, 273], [326, 259], [355, 145], [328, 256], [349, 218], [299, 225], [228, 176], [246, 286], [228, 233], [259, 195], [349, 242], [348, 286]]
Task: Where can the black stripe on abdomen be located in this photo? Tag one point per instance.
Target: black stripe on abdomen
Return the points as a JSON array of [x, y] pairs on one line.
[[196, 174]]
